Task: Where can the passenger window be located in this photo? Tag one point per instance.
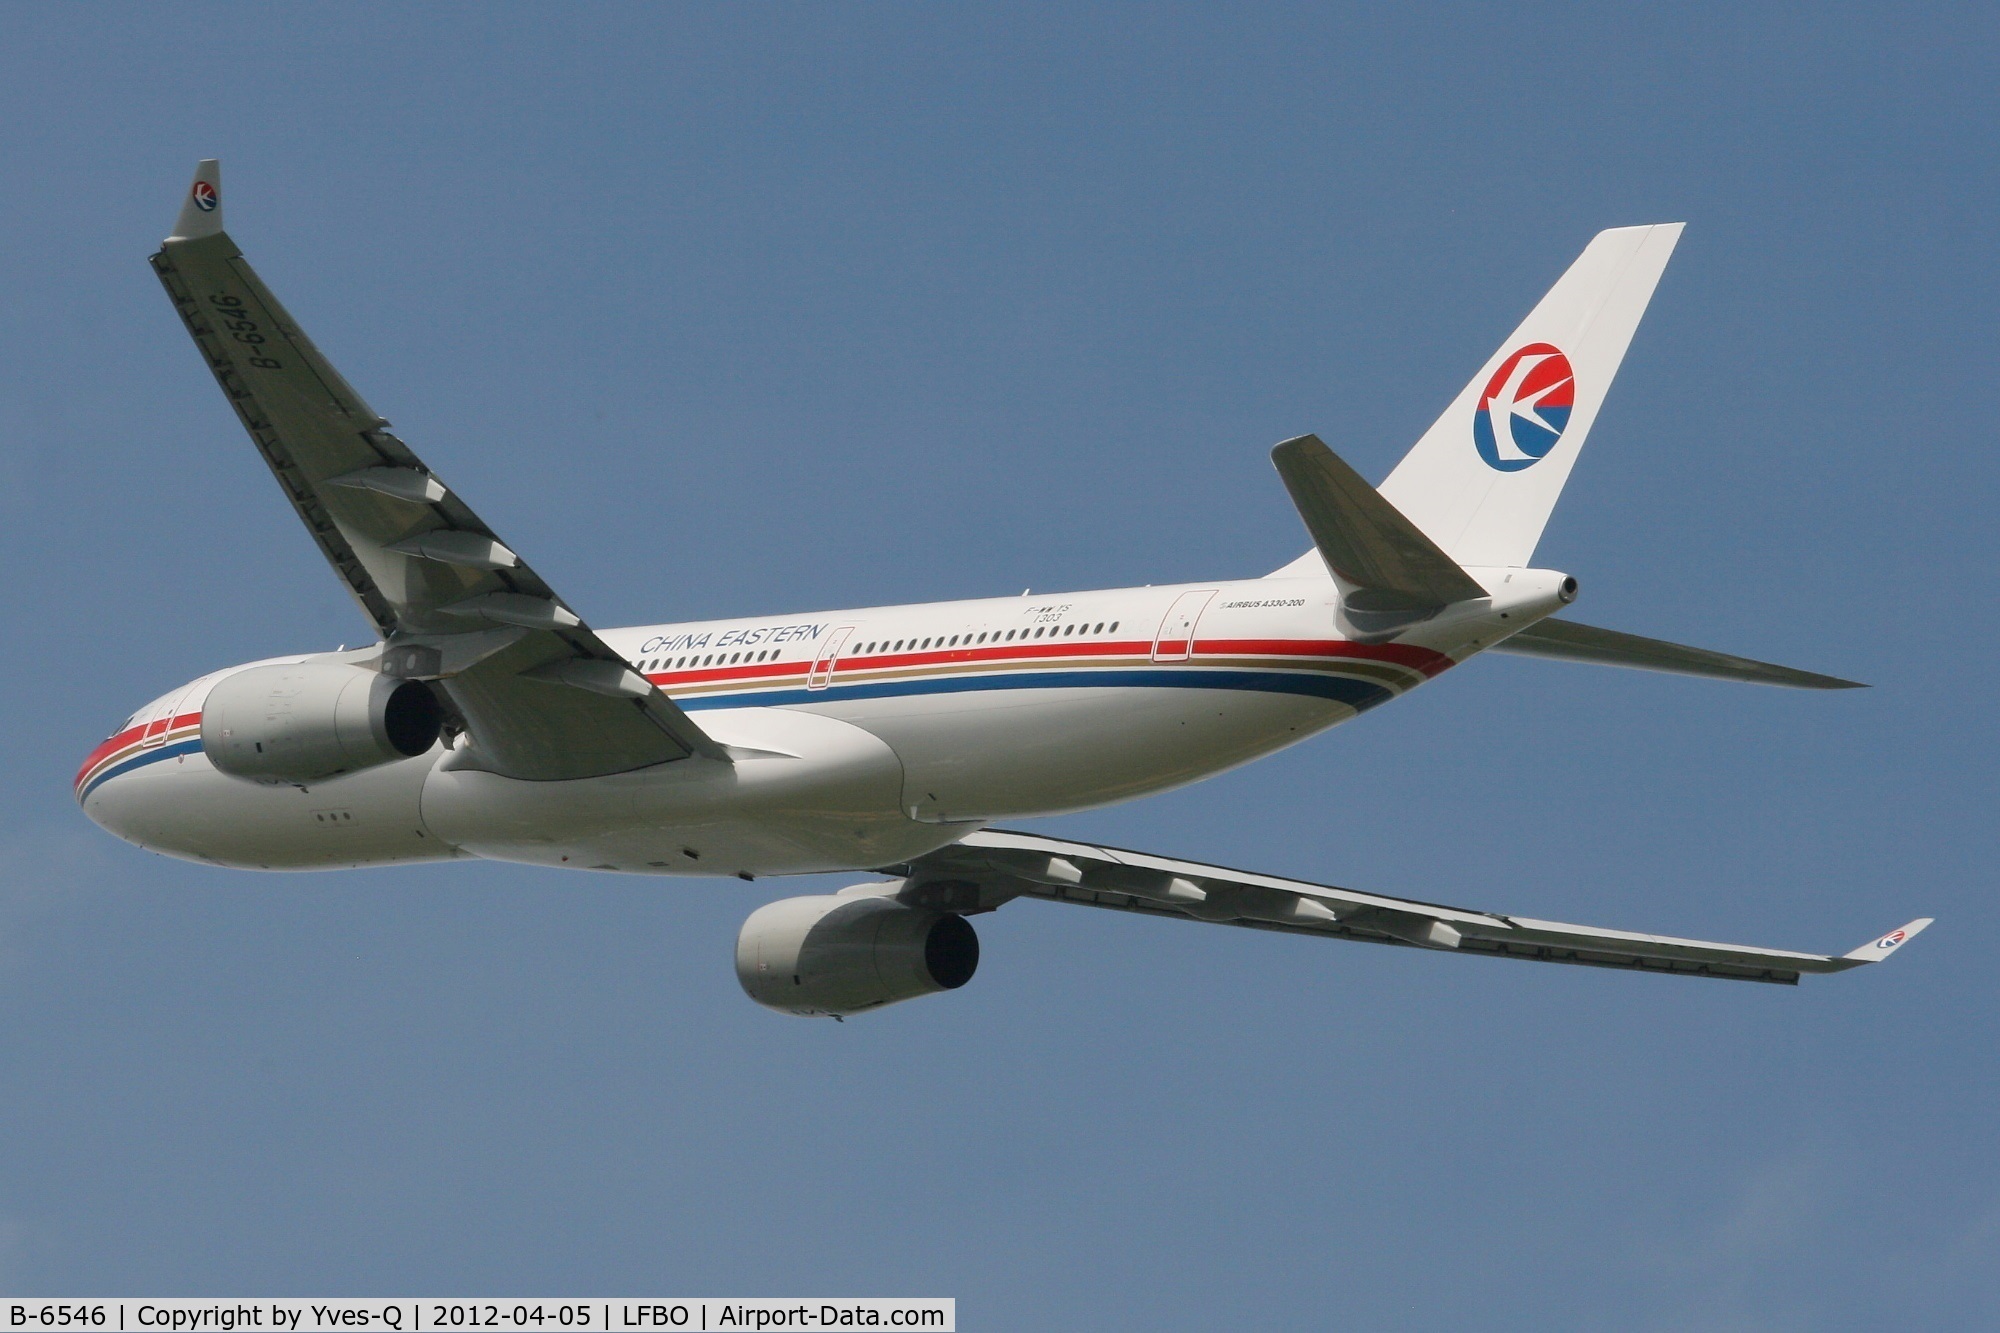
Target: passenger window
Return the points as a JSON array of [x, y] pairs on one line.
[[1114, 627], [1068, 630]]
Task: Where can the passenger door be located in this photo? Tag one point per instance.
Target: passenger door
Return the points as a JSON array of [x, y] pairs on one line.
[[1175, 641], [821, 674]]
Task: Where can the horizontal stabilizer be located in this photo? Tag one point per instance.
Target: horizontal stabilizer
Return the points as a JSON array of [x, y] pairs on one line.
[[1365, 541], [1571, 642]]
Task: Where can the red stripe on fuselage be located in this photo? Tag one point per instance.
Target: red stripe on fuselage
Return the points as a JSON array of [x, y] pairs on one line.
[[129, 737], [1421, 660], [1401, 654]]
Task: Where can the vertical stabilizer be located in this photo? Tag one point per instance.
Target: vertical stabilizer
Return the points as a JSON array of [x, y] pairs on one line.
[[1482, 481]]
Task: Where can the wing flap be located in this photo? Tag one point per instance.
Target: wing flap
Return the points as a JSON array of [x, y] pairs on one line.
[[989, 867], [1567, 641]]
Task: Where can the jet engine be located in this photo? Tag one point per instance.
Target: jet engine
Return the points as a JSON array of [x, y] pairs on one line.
[[315, 720], [859, 949]]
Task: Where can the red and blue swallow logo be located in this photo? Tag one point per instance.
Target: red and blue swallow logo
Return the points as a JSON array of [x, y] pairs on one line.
[[1892, 939], [205, 197], [1525, 408]]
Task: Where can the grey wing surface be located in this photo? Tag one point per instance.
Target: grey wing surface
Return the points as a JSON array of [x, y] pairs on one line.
[[994, 865], [540, 694]]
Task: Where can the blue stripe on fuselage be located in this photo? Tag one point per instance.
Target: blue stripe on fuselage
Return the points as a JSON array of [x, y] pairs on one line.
[[1359, 695], [178, 748]]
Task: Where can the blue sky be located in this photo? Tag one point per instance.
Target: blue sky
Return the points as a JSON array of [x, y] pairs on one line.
[[758, 309]]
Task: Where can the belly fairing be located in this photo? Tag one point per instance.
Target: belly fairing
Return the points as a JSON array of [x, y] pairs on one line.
[[980, 756], [805, 793]]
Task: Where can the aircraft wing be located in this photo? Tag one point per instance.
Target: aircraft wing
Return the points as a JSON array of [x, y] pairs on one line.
[[992, 866], [541, 695]]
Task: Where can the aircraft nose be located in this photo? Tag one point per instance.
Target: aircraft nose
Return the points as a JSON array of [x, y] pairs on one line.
[[108, 782], [99, 765]]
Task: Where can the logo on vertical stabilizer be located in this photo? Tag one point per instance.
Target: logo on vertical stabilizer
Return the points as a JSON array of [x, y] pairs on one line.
[[1892, 939], [205, 197], [1525, 408]]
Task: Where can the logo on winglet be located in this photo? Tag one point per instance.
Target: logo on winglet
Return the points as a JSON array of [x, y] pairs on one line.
[[1892, 939], [1525, 408], [205, 197]]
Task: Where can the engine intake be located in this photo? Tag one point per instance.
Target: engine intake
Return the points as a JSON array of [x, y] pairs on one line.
[[315, 720], [839, 955]]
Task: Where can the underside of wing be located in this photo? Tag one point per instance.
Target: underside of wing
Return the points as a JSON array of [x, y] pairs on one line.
[[541, 696], [992, 866]]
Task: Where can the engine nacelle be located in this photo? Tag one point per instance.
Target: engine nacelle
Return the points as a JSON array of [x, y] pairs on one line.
[[315, 720], [856, 950]]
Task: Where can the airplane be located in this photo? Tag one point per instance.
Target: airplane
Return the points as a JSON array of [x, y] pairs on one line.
[[488, 719]]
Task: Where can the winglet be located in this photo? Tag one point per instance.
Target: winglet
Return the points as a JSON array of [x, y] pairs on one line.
[[1876, 950], [201, 209]]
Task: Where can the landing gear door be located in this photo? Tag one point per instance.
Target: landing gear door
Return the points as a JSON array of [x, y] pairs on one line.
[[1175, 641], [821, 674]]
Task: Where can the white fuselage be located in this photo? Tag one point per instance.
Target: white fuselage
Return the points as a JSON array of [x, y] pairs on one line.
[[859, 738]]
